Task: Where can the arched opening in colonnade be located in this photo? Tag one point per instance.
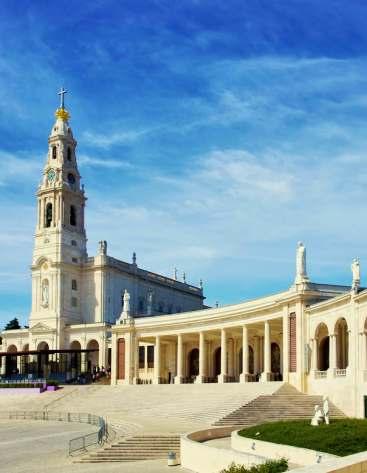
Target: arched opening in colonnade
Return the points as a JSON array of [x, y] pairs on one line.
[[323, 347], [93, 356], [275, 359], [43, 359], [11, 361], [194, 362], [342, 343], [75, 358], [217, 361]]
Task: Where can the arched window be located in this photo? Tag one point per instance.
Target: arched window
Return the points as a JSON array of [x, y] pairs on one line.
[[342, 343], [72, 215], [69, 154], [54, 152], [48, 216]]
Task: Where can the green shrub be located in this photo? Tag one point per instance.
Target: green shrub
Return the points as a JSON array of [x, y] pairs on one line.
[[341, 437], [20, 385], [271, 466], [52, 382]]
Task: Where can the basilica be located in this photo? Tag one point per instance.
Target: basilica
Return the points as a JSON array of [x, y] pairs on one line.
[[148, 328]]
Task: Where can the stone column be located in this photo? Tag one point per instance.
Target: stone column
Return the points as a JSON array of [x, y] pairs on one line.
[[244, 376], [266, 374], [314, 354], [179, 376], [256, 355], [3, 366], [202, 360], [83, 361], [157, 360], [285, 358], [230, 358], [364, 351], [222, 378], [136, 362]]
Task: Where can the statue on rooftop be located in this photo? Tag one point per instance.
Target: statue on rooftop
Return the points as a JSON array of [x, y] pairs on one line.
[[103, 247], [301, 271], [356, 274]]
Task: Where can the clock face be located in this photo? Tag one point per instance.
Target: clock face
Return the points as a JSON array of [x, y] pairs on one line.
[[51, 175]]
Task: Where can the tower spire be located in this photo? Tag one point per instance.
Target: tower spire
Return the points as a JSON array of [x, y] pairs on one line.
[[61, 112]]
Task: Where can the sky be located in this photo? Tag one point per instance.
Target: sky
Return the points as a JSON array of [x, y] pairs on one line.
[[212, 136]]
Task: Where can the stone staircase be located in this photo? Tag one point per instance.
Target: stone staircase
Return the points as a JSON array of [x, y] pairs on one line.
[[285, 404], [140, 447]]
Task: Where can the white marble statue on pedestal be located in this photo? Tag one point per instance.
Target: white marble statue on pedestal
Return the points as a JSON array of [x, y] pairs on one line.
[[125, 314], [325, 408], [318, 416], [356, 274], [301, 271]]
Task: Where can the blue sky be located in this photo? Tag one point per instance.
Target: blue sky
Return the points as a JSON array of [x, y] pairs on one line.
[[212, 136]]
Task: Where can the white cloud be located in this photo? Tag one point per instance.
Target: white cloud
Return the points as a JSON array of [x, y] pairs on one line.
[[19, 167], [110, 139], [86, 160]]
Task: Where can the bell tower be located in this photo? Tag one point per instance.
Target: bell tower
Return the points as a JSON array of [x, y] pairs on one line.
[[60, 237]]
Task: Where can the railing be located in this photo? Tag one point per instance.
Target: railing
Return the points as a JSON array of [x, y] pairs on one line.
[[76, 444], [320, 374], [338, 372]]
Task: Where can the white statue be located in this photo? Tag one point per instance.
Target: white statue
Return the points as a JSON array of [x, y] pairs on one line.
[[125, 314], [325, 408], [301, 271], [102, 247], [318, 416], [150, 302], [356, 274], [45, 293]]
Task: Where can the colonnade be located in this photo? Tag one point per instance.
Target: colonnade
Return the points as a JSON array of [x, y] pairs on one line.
[[235, 342]]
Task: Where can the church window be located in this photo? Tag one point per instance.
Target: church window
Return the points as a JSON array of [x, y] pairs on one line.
[[74, 302], [141, 305], [72, 215], [74, 260], [74, 243], [74, 285], [69, 153], [71, 178], [150, 356], [160, 307], [54, 152], [48, 216]]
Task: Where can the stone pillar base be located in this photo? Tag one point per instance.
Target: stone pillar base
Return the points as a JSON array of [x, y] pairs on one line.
[[265, 377], [245, 377], [222, 378], [200, 379], [178, 380], [156, 381]]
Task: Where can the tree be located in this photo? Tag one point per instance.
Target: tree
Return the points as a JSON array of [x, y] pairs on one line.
[[12, 324]]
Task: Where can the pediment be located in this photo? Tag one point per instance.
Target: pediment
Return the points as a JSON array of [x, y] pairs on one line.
[[41, 328]]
